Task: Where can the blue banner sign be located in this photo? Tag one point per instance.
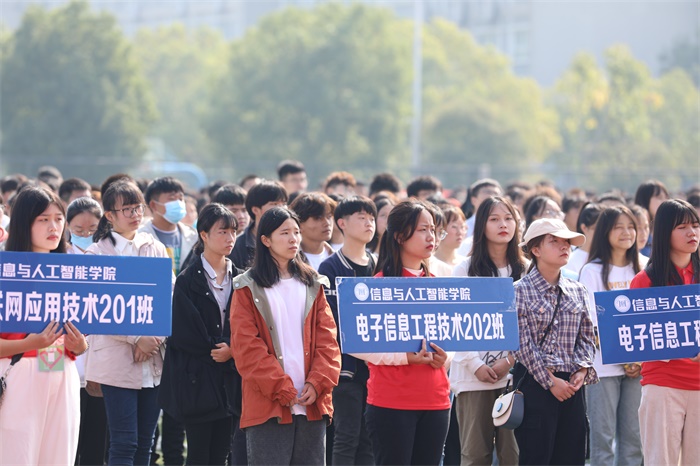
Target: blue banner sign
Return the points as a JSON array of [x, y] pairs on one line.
[[393, 315], [649, 324], [106, 295]]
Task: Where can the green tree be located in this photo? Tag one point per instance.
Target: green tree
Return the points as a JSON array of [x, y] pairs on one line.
[[620, 126], [328, 86], [480, 119], [180, 65], [676, 125], [72, 95]]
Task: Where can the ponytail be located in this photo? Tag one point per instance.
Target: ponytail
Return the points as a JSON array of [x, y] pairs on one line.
[[104, 230]]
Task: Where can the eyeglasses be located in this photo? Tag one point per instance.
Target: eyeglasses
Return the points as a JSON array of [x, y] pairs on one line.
[[129, 212], [84, 234], [442, 234]]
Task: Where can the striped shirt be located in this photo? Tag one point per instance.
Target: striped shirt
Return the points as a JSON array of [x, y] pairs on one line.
[[569, 346]]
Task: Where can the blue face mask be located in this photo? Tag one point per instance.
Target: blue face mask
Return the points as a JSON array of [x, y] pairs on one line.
[[83, 242], [174, 211]]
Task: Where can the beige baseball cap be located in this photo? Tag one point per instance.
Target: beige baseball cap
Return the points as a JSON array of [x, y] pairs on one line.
[[554, 227]]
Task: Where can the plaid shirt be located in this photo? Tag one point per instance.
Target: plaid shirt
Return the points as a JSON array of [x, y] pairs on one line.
[[569, 346]]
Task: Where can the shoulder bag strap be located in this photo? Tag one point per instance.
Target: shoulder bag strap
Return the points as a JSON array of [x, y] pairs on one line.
[[546, 332]]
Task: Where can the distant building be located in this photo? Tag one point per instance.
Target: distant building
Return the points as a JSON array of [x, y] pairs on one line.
[[540, 37]]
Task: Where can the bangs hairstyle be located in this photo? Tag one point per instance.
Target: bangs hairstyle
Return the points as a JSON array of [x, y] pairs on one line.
[[262, 193], [400, 226], [352, 205], [82, 205], [312, 205], [121, 190], [600, 247], [265, 271], [209, 217], [29, 203], [453, 213], [481, 264], [660, 269]]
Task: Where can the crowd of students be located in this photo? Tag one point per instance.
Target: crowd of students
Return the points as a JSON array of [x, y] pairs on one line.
[[253, 372]]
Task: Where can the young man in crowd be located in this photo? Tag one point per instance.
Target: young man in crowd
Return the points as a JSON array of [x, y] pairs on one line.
[[166, 199], [340, 183], [355, 217], [261, 198], [478, 192], [424, 187], [315, 211], [385, 182], [72, 189], [292, 175], [233, 197]]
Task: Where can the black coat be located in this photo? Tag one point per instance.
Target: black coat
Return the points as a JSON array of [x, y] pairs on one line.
[[194, 388]]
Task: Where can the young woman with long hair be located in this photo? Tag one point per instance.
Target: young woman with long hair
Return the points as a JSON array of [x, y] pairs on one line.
[[478, 377], [408, 394], [613, 402], [283, 339], [669, 414], [128, 368], [200, 381], [40, 413], [557, 347]]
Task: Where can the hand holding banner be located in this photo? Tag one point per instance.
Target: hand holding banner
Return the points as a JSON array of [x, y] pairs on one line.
[[393, 315], [108, 295]]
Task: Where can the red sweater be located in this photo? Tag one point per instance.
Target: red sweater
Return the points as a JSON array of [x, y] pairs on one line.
[[410, 387], [32, 353], [676, 373]]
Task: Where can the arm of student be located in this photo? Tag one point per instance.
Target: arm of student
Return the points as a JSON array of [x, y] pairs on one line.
[[254, 360], [468, 359], [584, 348], [325, 365]]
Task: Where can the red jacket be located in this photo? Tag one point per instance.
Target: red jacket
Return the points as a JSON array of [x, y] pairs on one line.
[[255, 348]]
